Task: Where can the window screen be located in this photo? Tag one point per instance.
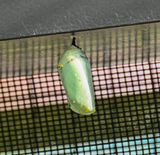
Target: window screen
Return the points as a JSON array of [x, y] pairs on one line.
[[35, 118]]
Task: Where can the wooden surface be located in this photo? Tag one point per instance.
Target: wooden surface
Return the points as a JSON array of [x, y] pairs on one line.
[[41, 17]]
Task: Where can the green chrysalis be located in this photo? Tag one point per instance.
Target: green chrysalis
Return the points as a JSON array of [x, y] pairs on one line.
[[75, 73]]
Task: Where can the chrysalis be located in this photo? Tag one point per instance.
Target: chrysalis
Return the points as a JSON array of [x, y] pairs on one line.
[[75, 73]]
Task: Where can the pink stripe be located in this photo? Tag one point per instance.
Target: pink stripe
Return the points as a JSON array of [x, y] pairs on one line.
[[46, 89]]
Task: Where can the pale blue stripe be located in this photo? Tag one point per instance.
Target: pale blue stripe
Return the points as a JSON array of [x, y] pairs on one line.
[[133, 145]]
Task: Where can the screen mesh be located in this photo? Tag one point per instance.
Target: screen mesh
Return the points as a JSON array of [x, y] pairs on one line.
[[34, 114]]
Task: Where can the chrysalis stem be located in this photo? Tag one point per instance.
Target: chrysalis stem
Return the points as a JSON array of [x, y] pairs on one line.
[[74, 42]]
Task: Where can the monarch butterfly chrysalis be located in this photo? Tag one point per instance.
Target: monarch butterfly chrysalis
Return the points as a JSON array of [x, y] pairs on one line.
[[75, 74]]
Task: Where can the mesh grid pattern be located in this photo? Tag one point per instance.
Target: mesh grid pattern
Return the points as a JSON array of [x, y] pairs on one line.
[[35, 117]]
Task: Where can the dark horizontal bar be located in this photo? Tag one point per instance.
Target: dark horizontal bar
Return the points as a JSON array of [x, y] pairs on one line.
[[58, 123], [38, 17]]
